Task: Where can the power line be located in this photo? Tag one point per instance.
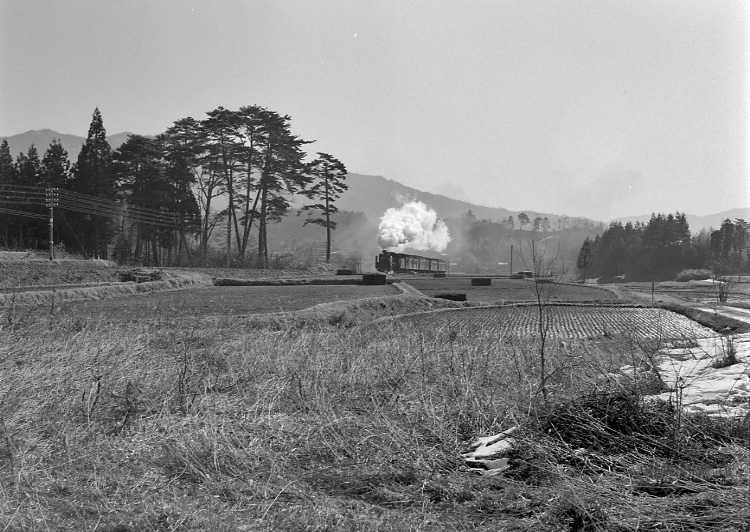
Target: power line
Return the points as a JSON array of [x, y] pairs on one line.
[[14, 212], [84, 203]]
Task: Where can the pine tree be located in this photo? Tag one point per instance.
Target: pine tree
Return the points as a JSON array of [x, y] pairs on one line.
[[181, 144], [329, 174], [140, 171], [282, 175], [225, 156]]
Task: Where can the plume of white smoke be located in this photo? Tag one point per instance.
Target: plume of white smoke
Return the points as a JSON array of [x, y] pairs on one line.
[[413, 225]]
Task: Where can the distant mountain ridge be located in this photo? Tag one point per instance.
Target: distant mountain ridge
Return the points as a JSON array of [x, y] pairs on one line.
[[42, 138], [371, 195]]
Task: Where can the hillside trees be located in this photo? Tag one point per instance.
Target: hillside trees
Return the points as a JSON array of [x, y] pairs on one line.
[[523, 220], [482, 245], [328, 174]]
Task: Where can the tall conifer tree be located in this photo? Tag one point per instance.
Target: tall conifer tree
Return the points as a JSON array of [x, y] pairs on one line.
[[93, 176], [55, 171]]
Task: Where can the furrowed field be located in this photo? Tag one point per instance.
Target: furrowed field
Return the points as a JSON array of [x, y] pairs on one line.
[[350, 409], [567, 321]]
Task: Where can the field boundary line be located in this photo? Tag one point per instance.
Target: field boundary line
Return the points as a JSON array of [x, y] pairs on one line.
[[406, 288], [180, 282], [504, 305]]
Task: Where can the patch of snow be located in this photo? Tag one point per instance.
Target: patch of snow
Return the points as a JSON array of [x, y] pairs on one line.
[[700, 388]]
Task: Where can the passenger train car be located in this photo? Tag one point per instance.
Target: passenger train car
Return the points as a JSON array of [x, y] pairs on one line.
[[389, 261]]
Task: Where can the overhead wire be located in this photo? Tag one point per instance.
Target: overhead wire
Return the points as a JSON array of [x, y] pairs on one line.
[[22, 213], [84, 203]]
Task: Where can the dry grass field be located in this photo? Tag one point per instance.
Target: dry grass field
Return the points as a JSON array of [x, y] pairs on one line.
[[43, 272], [310, 420]]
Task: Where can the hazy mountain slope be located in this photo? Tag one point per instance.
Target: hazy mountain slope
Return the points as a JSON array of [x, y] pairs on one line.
[[41, 138], [373, 195]]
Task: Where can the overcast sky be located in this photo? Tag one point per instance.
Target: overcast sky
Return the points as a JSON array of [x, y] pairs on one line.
[[589, 108]]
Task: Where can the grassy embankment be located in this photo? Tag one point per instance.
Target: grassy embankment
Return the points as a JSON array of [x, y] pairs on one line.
[[313, 421]]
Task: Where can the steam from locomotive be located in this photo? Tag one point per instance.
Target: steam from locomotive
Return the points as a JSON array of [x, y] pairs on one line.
[[413, 225]]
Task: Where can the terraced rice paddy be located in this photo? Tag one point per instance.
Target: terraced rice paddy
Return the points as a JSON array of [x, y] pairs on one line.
[[566, 321], [505, 290]]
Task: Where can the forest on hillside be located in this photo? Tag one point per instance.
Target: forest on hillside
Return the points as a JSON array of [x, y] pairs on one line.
[[483, 246], [154, 200]]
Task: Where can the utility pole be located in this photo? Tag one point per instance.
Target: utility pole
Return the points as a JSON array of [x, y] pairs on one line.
[[511, 259], [52, 199]]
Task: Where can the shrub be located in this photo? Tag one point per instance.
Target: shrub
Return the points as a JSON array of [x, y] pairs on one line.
[[728, 356]]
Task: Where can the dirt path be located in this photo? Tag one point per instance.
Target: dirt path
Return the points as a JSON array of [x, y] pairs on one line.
[[647, 297], [739, 314]]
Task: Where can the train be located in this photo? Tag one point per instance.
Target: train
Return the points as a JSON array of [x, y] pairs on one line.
[[389, 261]]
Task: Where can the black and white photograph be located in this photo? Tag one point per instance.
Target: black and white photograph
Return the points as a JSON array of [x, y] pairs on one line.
[[398, 265]]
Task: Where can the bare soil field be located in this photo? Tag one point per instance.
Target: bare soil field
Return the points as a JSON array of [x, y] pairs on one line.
[[568, 322], [506, 290], [220, 301]]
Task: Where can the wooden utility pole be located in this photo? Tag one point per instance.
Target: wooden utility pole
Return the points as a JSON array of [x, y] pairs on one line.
[[51, 202]]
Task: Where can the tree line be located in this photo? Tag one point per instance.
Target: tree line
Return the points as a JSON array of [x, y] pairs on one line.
[[662, 247], [170, 185]]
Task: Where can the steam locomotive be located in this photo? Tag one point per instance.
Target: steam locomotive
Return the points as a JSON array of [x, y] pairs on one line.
[[389, 261]]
